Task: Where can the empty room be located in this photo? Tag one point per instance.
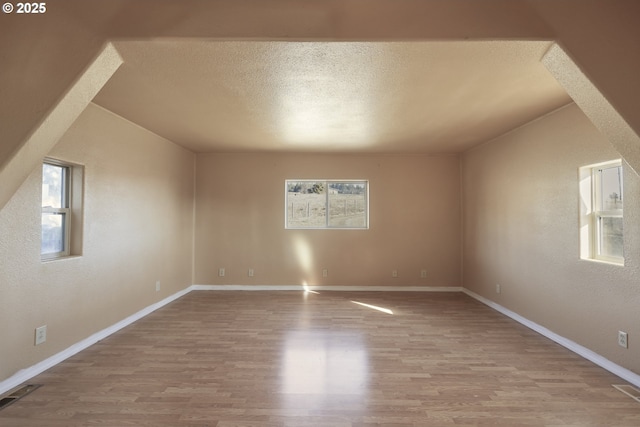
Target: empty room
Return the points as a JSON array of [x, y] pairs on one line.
[[320, 213]]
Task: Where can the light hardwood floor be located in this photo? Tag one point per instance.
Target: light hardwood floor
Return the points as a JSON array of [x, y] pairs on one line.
[[303, 359]]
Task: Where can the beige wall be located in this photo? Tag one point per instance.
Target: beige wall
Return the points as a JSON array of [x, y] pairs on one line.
[[414, 222], [138, 216], [521, 230]]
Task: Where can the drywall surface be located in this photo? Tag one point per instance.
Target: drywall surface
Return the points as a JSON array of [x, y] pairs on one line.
[[521, 231], [414, 222], [137, 229], [594, 105], [603, 38]]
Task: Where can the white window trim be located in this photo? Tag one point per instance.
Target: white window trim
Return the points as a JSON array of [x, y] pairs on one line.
[[73, 210], [590, 216], [326, 226]]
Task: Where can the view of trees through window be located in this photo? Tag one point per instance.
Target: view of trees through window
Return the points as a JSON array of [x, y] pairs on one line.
[[327, 204]]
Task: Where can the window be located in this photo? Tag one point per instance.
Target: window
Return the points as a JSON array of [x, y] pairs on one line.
[[601, 190], [327, 204], [61, 189]]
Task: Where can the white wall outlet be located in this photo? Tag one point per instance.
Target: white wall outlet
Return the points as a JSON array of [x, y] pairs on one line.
[[325, 272], [158, 286], [498, 289], [423, 274], [221, 272], [250, 272], [41, 334], [394, 273], [623, 339]]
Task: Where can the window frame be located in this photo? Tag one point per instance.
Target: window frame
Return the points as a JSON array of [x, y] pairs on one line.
[[327, 183], [71, 209], [592, 215]]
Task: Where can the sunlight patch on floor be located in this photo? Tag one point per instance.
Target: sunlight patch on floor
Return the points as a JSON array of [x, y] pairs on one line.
[[307, 289], [374, 307]]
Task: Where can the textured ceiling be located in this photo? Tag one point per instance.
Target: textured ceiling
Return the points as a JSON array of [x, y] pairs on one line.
[[383, 97]]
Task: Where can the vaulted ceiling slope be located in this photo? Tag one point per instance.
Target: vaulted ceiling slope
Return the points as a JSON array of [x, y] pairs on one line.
[[43, 56], [390, 97]]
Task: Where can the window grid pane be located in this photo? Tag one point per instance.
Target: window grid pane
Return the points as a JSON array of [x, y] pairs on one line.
[[53, 233], [610, 237], [610, 194], [347, 205], [53, 186], [306, 204]]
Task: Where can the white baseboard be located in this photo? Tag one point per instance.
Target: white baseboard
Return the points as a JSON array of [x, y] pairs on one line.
[[615, 369], [246, 288], [30, 372], [326, 288], [388, 288]]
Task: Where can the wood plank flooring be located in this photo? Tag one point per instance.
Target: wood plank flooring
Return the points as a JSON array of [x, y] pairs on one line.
[[302, 359]]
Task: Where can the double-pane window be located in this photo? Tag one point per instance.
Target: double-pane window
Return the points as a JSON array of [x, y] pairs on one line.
[[56, 212], [327, 204], [608, 212], [601, 215]]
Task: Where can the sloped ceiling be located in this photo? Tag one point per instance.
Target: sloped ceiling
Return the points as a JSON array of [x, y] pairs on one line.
[[382, 97]]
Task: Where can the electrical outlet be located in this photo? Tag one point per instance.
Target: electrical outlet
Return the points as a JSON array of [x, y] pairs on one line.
[[423, 274], [498, 289], [325, 272], [158, 286], [221, 272], [250, 272], [41, 335], [394, 273], [623, 339]]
